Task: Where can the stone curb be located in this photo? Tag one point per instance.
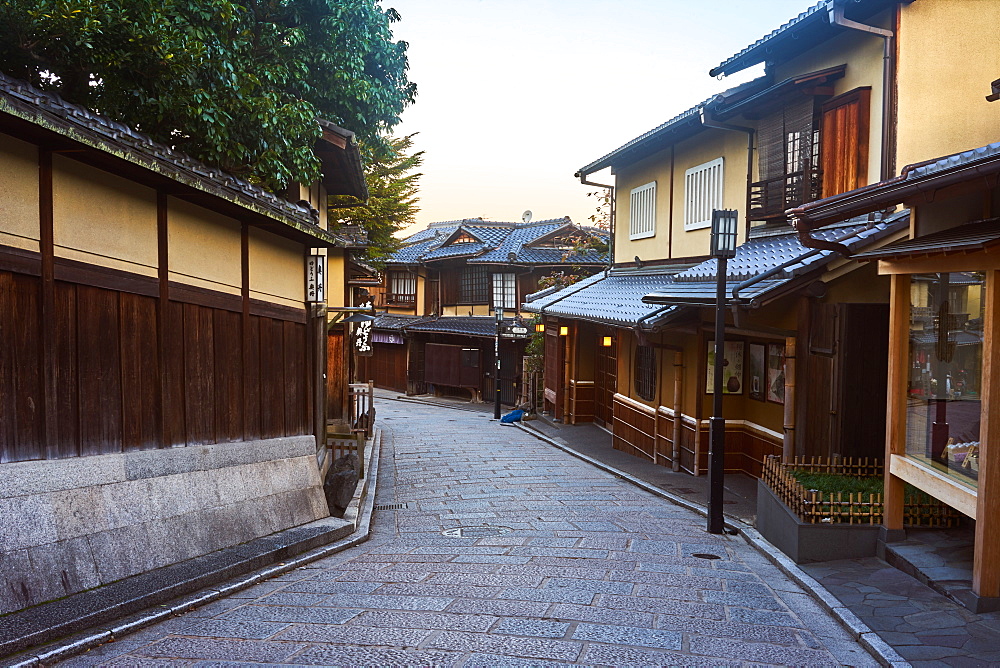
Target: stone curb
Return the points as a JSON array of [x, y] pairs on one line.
[[360, 511], [878, 648]]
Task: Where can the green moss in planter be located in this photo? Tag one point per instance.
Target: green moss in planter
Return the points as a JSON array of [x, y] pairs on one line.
[[831, 483]]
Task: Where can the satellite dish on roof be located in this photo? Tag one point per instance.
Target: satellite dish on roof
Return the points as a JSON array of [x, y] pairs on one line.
[[526, 216]]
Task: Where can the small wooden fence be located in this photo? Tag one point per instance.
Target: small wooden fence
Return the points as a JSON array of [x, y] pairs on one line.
[[816, 507], [345, 445]]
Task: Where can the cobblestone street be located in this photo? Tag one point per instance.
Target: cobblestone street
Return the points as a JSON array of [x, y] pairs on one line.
[[491, 548]]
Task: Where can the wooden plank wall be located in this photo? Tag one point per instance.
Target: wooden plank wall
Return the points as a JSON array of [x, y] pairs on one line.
[[583, 401], [648, 435], [635, 428], [109, 393]]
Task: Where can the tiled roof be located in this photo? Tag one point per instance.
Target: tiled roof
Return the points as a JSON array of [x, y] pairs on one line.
[[616, 297], [479, 326], [758, 256], [952, 161], [684, 124], [969, 238], [914, 181], [799, 34], [733, 64], [49, 111], [613, 298], [498, 243], [394, 321]]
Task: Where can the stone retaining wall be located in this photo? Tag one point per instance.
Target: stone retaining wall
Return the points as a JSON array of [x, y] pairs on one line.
[[73, 524]]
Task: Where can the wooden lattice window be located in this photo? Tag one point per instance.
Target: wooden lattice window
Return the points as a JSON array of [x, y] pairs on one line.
[[474, 286], [642, 211], [788, 146], [645, 372], [402, 288], [505, 290]]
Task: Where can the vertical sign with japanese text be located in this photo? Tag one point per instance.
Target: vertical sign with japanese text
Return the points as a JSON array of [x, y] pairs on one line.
[[316, 279]]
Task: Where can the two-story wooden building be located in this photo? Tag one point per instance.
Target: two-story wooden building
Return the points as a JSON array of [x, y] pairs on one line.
[[851, 91], [161, 366], [442, 291]]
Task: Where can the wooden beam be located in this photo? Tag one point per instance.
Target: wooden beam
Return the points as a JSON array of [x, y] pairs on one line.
[[976, 261], [938, 484], [895, 422], [986, 562]]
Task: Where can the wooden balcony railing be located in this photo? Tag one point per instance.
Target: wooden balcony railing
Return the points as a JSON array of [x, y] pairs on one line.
[[772, 197]]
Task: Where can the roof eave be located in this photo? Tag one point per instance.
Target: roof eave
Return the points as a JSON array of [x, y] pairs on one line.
[[887, 193]]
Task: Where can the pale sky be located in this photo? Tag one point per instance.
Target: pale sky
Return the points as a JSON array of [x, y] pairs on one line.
[[514, 96]]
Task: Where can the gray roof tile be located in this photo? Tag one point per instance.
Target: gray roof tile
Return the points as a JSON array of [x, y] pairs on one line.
[[956, 160], [611, 297], [497, 241], [616, 297], [479, 326], [80, 124]]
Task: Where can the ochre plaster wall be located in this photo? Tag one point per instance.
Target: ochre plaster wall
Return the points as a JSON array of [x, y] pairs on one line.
[[19, 194], [336, 277], [467, 309], [863, 55], [732, 147], [277, 269], [103, 219], [948, 56], [706, 146], [863, 285], [203, 247]]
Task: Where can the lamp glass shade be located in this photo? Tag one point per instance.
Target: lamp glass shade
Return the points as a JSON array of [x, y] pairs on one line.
[[540, 327], [606, 341], [563, 331], [725, 223]]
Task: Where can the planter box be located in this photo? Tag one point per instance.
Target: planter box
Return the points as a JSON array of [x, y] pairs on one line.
[[808, 543]]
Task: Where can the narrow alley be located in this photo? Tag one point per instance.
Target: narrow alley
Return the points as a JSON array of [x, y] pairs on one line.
[[491, 548]]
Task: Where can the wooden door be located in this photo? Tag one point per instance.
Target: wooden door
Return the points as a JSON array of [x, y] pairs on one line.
[[554, 362], [336, 375], [605, 382], [863, 372]]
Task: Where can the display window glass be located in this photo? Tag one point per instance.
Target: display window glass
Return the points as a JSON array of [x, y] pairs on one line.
[[945, 372]]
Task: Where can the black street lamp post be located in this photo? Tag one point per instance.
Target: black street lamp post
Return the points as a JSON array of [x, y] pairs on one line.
[[724, 227], [496, 370]]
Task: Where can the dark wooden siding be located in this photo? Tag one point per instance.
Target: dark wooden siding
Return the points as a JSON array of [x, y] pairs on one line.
[[109, 393]]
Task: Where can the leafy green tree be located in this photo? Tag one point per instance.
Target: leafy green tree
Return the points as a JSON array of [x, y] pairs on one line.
[[236, 84], [392, 195]]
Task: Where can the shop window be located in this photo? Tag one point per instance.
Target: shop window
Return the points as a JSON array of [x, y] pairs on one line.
[[645, 372], [474, 286], [505, 291], [945, 372]]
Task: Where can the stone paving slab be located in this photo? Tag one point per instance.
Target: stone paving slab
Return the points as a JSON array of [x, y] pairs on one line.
[[412, 596]]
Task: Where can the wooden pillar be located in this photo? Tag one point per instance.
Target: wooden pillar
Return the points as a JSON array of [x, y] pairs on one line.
[[788, 437], [675, 454], [895, 423], [986, 562], [47, 342], [162, 308]]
